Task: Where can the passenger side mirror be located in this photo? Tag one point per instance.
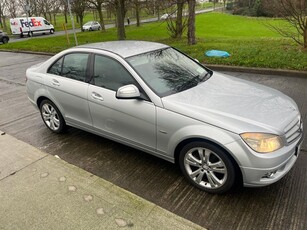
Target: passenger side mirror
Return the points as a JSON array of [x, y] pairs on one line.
[[128, 92]]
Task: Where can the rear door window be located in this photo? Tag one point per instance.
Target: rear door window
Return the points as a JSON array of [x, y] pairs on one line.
[[71, 66]]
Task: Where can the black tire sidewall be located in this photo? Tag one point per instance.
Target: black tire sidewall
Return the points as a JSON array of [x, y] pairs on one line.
[[231, 173], [61, 119]]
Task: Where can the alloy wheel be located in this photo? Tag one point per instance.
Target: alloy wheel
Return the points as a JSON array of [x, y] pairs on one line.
[[51, 117], [205, 168]]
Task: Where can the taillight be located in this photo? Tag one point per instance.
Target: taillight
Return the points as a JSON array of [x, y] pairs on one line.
[[20, 29]]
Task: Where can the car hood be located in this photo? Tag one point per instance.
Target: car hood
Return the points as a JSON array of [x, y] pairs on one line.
[[234, 104]]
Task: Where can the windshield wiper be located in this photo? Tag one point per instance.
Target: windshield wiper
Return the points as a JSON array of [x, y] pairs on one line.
[[195, 81]]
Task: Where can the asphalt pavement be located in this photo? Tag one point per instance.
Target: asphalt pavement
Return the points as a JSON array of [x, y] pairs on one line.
[[62, 178]]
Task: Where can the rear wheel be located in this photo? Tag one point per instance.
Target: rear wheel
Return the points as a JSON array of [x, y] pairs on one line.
[[207, 167], [52, 117]]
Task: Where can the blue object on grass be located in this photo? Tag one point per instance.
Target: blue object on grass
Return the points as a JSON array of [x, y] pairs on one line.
[[217, 53]]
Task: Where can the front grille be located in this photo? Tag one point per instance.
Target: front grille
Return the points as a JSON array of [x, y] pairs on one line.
[[294, 130]]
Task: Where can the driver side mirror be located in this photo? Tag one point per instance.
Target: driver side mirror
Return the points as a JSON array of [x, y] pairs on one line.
[[128, 92]]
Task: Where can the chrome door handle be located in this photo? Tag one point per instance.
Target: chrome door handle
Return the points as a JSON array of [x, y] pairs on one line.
[[55, 82], [97, 96]]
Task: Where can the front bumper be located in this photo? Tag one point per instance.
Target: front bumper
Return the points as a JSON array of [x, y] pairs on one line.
[[255, 177], [264, 169]]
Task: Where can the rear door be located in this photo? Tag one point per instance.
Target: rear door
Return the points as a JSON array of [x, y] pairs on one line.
[[67, 87]]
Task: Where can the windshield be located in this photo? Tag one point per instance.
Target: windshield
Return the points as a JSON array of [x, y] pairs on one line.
[[168, 71], [88, 24]]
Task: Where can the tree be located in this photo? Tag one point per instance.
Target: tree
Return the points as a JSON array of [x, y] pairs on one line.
[[11, 6], [64, 5], [191, 22], [179, 21], [294, 12], [137, 5], [98, 5], [120, 19], [2, 17], [79, 7], [176, 25]]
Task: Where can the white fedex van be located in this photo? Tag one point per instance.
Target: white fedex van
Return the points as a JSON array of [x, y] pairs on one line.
[[30, 25]]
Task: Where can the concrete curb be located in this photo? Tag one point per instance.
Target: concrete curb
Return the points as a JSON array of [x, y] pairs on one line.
[[266, 71], [27, 52]]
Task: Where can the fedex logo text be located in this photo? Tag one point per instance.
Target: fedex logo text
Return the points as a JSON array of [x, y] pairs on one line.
[[30, 23]]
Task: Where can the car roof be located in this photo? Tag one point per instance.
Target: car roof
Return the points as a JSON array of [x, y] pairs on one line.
[[125, 48]]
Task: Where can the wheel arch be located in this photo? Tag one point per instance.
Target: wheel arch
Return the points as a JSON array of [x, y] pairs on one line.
[[41, 98], [229, 155]]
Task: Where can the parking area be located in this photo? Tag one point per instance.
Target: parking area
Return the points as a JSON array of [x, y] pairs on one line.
[[282, 205]]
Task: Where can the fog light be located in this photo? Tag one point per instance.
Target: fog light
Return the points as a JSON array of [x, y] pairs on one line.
[[269, 174]]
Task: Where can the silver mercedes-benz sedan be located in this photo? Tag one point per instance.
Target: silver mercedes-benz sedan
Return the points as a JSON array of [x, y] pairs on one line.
[[219, 129]]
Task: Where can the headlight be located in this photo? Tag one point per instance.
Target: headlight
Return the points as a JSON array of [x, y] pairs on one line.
[[262, 142]]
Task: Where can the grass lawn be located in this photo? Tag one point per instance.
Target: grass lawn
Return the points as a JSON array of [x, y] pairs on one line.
[[248, 40]]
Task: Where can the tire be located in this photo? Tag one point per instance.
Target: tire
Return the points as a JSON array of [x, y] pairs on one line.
[[99, 28], [52, 117], [52, 31], [21, 35], [90, 29], [207, 167], [5, 40]]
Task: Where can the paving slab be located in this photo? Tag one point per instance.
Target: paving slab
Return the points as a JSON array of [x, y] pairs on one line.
[[40, 191]]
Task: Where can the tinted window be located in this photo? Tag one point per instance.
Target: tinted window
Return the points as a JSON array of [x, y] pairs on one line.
[[74, 66], [110, 74], [56, 68]]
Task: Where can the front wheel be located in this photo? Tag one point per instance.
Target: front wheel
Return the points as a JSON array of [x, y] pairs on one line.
[[52, 31], [5, 40], [207, 167], [52, 117]]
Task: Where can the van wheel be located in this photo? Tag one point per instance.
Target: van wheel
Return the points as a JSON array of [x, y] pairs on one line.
[[52, 31], [21, 35]]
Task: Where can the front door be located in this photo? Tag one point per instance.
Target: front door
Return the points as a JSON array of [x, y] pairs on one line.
[[130, 120]]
